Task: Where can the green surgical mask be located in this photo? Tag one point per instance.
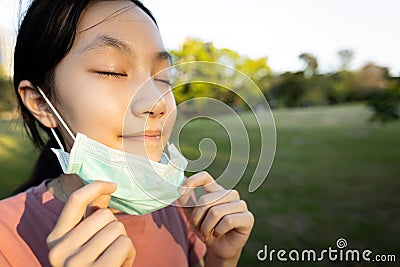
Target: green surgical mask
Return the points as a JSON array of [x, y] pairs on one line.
[[143, 185]]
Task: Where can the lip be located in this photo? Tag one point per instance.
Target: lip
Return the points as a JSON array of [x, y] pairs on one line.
[[148, 136]]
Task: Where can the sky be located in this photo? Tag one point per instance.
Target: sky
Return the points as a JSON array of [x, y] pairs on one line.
[[280, 30]]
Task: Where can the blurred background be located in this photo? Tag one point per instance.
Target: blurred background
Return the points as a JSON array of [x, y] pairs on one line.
[[330, 71]]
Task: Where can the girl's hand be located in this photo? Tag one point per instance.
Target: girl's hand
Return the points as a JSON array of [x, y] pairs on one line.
[[220, 218], [96, 240]]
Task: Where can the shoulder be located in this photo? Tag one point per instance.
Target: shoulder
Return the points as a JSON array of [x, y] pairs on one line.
[[11, 245], [25, 221], [28, 208], [12, 208]]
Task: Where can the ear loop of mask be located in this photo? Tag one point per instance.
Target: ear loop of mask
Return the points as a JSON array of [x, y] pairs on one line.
[[58, 117]]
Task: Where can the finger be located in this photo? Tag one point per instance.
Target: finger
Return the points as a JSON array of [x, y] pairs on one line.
[[212, 199], [89, 227], [199, 179], [99, 203], [85, 230], [120, 253], [240, 222], [99, 243], [76, 205], [216, 213]]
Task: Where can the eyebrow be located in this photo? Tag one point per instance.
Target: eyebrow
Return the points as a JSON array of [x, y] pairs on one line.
[[164, 55], [104, 40]]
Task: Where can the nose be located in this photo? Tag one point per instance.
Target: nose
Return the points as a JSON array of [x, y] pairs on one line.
[[148, 100]]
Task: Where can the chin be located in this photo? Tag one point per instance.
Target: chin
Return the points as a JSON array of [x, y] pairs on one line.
[[154, 155], [156, 158]]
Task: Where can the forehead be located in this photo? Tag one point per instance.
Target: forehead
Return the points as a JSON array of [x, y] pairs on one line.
[[120, 19]]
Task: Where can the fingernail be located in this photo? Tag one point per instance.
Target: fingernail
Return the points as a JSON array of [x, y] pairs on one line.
[[112, 184]]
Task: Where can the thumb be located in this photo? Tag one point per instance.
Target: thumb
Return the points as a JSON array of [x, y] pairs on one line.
[[100, 202]]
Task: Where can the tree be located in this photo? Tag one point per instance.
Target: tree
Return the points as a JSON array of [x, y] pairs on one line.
[[196, 50], [346, 56], [386, 103], [368, 80], [288, 89], [311, 64], [340, 86], [7, 95]]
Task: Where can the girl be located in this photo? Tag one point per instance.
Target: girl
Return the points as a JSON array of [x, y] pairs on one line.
[[84, 59]]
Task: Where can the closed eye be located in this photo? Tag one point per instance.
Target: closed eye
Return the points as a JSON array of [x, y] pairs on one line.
[[167, 82], [111, 74]]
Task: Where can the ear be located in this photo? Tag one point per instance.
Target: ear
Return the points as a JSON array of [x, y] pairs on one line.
[[36, 104]]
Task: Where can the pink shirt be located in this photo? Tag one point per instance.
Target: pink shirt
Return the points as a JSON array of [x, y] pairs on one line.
[[161, 238]]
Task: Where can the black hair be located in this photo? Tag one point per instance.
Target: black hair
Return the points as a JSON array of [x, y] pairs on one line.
[[45, 37]]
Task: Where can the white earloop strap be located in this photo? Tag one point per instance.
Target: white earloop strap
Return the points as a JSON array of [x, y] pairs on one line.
[[57, 139], [58, 117]]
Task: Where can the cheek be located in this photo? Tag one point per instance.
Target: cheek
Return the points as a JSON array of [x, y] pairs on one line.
[[171, 108], [87, 106], [171, 115]]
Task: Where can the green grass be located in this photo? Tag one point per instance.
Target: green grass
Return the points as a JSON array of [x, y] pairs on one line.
[[334, 175], [17, 156]]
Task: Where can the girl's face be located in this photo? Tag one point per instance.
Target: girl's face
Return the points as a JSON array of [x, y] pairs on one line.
[[117, 48]]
